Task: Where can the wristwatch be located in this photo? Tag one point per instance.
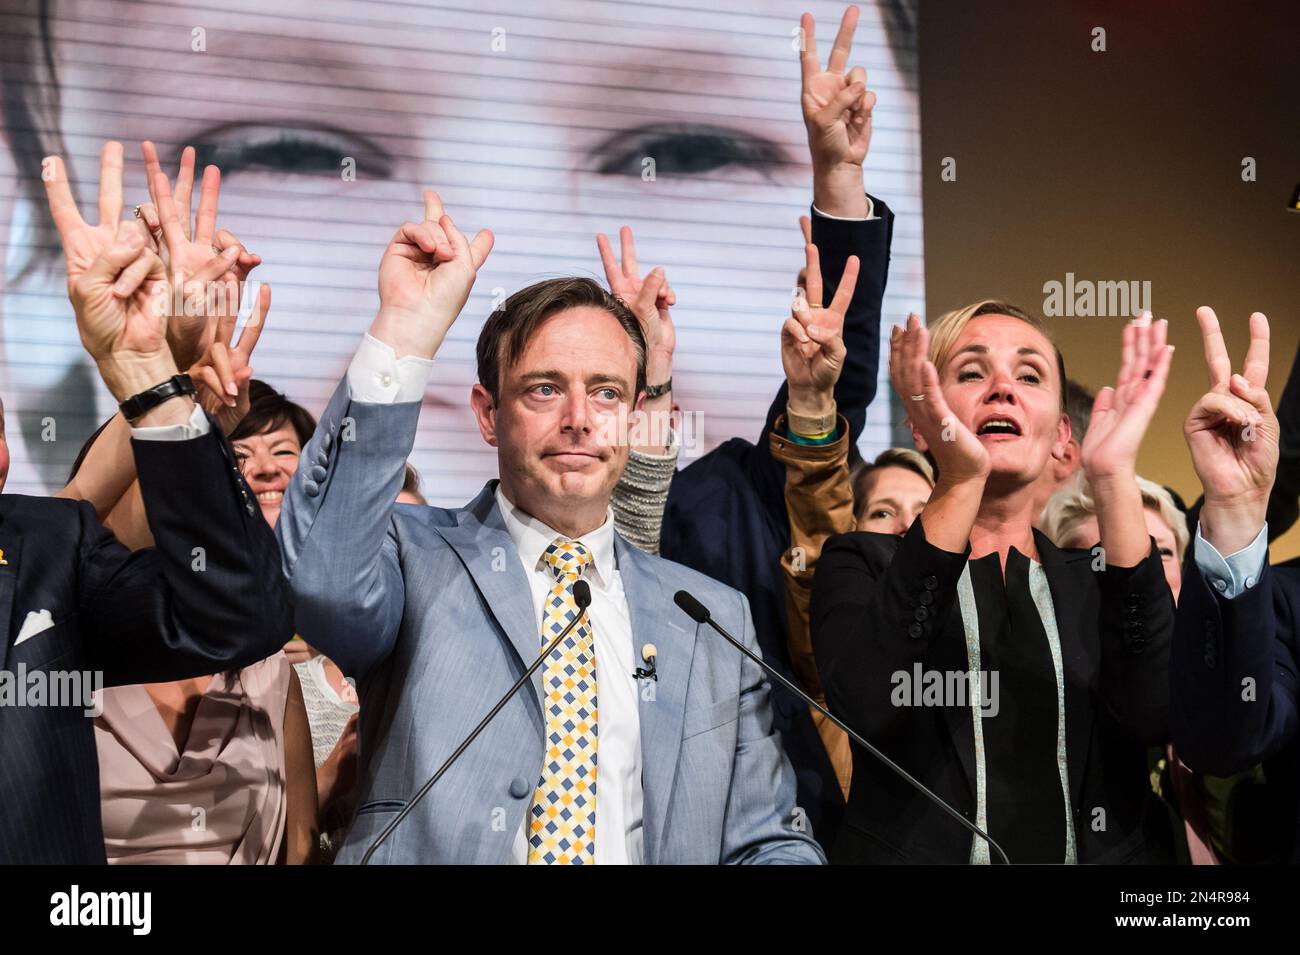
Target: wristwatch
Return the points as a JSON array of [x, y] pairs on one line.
[[658, 391], [139, 405]]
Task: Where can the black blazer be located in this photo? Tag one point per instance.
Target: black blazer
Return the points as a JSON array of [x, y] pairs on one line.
[[142, 617], [726, 516], [881, 604], [1221, 723]]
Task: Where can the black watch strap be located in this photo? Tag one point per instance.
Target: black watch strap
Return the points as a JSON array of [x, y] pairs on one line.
[[139, 405], [658, 391]]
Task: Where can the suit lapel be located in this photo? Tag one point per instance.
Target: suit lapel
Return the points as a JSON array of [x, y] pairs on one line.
[[662, 703], [961, 723], [483, 545], [1067, 597], [10, 548]]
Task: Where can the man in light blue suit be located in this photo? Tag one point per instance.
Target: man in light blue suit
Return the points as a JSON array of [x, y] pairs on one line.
[[437, 612]]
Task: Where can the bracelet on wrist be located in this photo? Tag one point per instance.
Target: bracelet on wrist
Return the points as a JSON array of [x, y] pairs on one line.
[[658, 391], [138, 405]]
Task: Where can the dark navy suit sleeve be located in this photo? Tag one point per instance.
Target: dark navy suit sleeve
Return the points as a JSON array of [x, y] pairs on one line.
[[1233, 671], [1135, 624], [209, 596], [1284, 501]]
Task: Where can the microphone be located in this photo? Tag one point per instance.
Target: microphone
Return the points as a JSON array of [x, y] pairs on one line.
[[648, 672], [700, 614], [582, 597]]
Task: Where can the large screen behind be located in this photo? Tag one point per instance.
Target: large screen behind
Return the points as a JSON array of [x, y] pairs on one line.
[[535, 119]]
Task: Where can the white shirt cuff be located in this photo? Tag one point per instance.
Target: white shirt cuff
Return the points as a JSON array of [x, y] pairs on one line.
[[1233, 575], [378, 377], [871, 213], [196, 427]]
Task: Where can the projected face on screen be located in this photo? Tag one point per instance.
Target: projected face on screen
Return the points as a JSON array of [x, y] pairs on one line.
[[544, 124]]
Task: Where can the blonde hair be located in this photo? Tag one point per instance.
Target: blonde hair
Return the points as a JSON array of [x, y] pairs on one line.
[[1074, 504], [944, 332], [907, 458]]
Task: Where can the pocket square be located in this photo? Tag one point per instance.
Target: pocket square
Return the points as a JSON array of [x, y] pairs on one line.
[[36, 622]]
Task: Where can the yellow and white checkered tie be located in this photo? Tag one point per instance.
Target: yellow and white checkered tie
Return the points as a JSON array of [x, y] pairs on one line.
[[562, 820]]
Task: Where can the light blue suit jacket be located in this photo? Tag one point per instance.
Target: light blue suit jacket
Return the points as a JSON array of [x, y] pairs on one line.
[[431, 611]]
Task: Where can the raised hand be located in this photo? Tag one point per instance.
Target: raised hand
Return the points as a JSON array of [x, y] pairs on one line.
[[649, 299], [837, 113], [115, 299], [1233, 433], [1121, 415], [812, 343], [958, 453], [425, 277], [188, 247], [222, 373], [182, 193], [82, 242]]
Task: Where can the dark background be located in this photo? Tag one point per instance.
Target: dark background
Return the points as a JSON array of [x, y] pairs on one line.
[[1119, 165]]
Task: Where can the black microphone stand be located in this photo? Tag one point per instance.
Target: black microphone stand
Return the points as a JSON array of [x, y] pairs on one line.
[[582, 597], [700, 614]]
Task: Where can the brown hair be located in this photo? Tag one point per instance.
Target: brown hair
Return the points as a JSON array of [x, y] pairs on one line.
[[507, 331], [411, 483]]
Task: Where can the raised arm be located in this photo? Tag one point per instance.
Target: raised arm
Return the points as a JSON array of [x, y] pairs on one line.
[[1136, 610], [837, 111], [340, 502], [107, 476], [845, 223], [1120, 417], [150, 616], [641, 494], [813, 444], [1234, 667]]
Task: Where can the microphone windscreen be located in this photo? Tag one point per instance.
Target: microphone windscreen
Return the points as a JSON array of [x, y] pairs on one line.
[[694, 609], [582, 594]]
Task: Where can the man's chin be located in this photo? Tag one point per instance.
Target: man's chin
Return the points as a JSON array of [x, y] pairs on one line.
[[580, 485]]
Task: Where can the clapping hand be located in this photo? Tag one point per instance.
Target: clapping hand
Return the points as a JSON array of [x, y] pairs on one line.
[[958, 453], [1121, 415]]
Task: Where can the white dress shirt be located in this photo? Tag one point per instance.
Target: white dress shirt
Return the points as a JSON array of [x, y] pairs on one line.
[[378, 376], [196, 427], [618, 717], [1236, 573]]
